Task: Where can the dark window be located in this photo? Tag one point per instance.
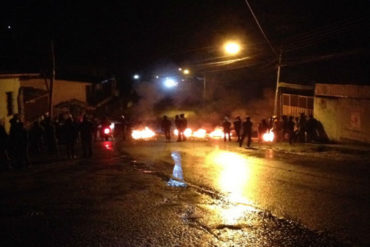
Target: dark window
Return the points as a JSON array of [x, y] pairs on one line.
[[293, 100], [9, 103]]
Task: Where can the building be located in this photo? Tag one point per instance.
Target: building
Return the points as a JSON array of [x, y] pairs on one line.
[[28, 96], [9, 91], [344, 111], [295, 99]]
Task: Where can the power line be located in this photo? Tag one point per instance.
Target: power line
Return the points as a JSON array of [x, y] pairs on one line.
[[260, 28]]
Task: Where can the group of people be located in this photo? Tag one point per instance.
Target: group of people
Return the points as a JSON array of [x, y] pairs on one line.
[[43, 136], [181, 123], [293, 129], [242, 130], [287, 128]]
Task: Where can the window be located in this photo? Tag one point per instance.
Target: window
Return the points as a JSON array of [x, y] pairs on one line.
[[9, 103]]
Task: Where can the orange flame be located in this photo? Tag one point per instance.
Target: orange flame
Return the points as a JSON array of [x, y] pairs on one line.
[[200, 133], [218, 133], [145, 133], [268, 136], [188, 132]]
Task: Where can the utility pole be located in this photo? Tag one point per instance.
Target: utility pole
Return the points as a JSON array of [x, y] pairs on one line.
[[276, 110], [52, 78]]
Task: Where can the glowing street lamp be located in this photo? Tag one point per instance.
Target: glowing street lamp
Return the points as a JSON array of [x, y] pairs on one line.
[[186, 71], [170, 82], [136, 77], [232, 48]]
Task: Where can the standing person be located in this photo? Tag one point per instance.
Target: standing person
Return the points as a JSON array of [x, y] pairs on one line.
[[237, 127], [69, 135], [311, 128], [302, 128], [247, 132], [227, 128], [284, 127], [290, 127], [86, 130], [178, 127], [262, 129], [21, 140], [4, 161], [166, 127], [50, 135], [183, 126], [36, 135]]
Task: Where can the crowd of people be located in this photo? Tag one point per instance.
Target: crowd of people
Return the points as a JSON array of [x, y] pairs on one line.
[[58, 137], [293, 129], [287, 128]]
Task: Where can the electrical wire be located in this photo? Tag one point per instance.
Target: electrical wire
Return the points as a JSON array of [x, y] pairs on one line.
[[260, 28]]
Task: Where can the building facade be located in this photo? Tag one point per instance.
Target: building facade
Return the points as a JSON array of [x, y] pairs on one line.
[[344, 111]]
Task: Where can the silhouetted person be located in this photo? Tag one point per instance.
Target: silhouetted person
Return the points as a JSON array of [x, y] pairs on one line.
[[178, 127], [183, 126], [50, 135], [37, 133], [4, 160], [311, 129], [290, 128], [262, 129], [277, 128], [227, 129], [237, 127], [284, 127], [166, 127], [19, 146], [247, 132], [69, 137], [302, 128], [86, 130]]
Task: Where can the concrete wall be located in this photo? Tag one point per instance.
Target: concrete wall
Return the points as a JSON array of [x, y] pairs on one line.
[[8, 85], [344, 110]]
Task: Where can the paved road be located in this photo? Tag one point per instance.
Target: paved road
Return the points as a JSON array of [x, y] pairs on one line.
[[326, 191], [234, 197]]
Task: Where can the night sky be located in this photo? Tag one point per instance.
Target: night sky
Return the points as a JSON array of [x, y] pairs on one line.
[[321, 40]]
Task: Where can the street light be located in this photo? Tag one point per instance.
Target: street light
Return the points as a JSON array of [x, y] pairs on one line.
[[136, 77], [170, 82], [232, 48], [186, 71]]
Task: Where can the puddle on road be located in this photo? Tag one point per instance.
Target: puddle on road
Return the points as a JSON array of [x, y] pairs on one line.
[[177, 179]]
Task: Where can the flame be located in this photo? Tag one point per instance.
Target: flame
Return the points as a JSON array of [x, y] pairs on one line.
[[268, 136], [200, 133], [188, 132], [218, 133], [145, 133]]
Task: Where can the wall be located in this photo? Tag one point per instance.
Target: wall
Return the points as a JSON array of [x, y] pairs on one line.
[[8, 85], [344, 110]]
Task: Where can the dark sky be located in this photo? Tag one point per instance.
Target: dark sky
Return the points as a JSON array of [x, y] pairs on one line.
[[321, 40]]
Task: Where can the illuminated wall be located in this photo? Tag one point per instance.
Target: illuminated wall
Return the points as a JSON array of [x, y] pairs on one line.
[[344, 110]]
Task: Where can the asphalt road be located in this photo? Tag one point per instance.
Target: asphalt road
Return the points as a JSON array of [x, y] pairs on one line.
[[233, 197]]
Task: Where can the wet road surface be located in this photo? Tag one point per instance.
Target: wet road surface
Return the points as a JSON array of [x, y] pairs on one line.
[[234, 197]]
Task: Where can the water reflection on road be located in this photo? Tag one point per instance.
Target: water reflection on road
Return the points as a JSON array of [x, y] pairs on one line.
[[236, 179]]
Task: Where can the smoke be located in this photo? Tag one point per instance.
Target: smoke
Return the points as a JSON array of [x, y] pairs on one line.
[[224, 97]]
